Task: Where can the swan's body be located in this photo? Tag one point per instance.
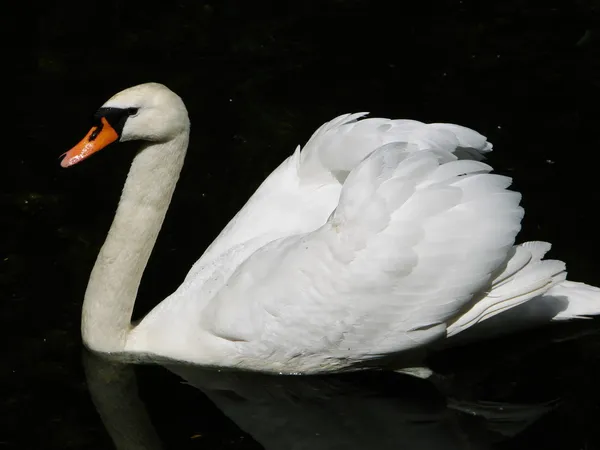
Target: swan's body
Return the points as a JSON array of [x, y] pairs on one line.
[[380, 237]]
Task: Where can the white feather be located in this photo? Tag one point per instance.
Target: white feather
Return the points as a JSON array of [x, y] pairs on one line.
[[379, 237]]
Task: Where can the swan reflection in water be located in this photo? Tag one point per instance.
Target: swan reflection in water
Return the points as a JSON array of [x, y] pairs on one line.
[[353, 411]]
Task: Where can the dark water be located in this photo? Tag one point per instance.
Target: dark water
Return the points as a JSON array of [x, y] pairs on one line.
[[258, 78]]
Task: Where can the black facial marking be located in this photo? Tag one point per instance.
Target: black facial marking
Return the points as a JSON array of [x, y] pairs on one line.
[[99, 125], [116, 117]]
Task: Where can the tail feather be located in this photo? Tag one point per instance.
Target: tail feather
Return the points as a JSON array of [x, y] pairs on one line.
[[582, 300], [528, 291], [524, 277], [566, 300]]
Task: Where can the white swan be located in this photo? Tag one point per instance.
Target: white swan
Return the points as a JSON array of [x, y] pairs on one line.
[[379, 237]]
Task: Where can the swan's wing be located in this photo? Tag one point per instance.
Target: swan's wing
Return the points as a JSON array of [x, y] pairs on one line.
[[414, 236], [338, 146], [301, 193]]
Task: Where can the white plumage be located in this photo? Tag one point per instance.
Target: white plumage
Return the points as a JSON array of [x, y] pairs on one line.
[[379, 238]]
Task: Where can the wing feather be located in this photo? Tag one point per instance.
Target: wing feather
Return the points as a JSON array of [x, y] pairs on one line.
[[410, 243]]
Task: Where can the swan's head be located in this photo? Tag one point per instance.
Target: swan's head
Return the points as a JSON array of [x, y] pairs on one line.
[[147, 112]]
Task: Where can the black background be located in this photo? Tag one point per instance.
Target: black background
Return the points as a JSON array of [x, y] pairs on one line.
[[258, 78]]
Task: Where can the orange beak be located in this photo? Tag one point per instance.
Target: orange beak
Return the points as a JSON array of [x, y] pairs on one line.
[[99, 137]]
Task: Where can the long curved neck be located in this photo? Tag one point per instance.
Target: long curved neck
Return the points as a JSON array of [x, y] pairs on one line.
[[115, 278]]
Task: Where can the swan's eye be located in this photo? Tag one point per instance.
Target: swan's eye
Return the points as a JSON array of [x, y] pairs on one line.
[[132, 111]]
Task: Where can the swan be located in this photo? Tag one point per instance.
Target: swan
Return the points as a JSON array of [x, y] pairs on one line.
[[378, 239]]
